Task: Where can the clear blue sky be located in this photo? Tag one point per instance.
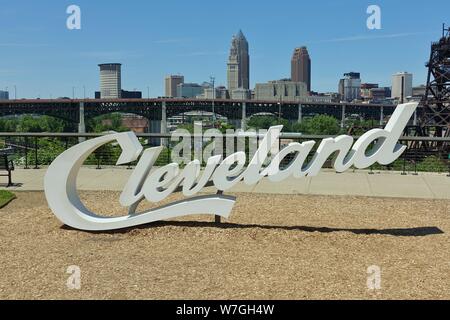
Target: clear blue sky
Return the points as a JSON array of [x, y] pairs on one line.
[[42, 57]]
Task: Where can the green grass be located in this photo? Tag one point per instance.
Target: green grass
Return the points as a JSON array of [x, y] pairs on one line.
[[6, 197]]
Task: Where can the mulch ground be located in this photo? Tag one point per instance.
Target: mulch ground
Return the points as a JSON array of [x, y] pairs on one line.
[[273, 247]]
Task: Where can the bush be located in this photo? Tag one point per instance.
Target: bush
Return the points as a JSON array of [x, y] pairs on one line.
[[432, 164]]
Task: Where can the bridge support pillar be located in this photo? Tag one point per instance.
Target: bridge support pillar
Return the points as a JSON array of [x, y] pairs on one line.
[[300, 113], [244, 117], [415, 118], [381, 116], [159, 127], [155, 127], [82, 123], [164, 142], [343, 117]]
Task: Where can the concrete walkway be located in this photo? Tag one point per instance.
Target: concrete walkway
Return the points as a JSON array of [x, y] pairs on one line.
[[359, 183]]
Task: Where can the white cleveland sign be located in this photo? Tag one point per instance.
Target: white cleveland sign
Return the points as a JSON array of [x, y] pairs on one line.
[[156, 185]]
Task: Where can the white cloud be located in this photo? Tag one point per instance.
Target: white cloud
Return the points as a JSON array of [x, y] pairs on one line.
[[367, 37]]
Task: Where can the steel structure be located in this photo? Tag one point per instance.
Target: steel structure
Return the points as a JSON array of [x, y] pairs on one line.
[[436, 102], [435, 116]]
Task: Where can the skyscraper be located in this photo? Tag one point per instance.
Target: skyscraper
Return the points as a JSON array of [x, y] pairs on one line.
[[301, 67], [110, 80], [238, 72], [171, 84], [398, 92]]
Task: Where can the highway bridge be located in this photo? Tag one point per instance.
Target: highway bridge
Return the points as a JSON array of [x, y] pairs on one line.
[[157, 111]]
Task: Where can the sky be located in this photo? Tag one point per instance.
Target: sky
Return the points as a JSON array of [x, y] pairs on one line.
[[42, 58]]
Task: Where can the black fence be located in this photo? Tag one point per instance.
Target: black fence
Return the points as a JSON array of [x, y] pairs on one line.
[[35, 150]]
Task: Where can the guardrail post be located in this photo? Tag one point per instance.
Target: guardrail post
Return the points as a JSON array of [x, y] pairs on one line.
[[26, 154], [36, 165], [404, 163], [81, 124]]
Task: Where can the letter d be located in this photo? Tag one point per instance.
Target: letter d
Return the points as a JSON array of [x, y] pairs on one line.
[[386, 149]]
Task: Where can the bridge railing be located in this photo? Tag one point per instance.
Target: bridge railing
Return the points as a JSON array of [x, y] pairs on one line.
[[36, 150]]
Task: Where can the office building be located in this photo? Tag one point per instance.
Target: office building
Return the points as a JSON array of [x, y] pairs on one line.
[[189, 90], [110, 80], [350, 86], [240, 94], [281, 90], [301, 67], [402, 84], [4, 95], [238, 68], [171, 84]]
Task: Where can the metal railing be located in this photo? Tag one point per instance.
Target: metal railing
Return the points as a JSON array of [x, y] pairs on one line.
[[33, 150]]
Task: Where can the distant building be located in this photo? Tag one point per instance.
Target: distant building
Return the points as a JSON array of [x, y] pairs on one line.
[[171, 84], [238, 67], [402, 83], [419, 91], [189, 90], [132, 122], [321, 97], [301, 67], [4, 95], [124, 94], [131, 94], [135, 123], [280, 91], [110, 80], [341, 89], [240, 94], [350, 86], [365, 90], [379, 95], [208, 93], [221, 92]]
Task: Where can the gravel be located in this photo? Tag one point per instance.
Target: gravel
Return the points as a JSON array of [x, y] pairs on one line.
[[273, 247]]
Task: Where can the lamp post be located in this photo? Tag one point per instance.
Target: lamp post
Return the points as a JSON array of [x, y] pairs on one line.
[[213, 80]]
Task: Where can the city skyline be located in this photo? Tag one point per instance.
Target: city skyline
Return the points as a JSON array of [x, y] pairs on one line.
[[34, 47]]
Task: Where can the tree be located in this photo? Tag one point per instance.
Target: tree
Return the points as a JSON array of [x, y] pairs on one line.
[[318, 125], [265, 122]]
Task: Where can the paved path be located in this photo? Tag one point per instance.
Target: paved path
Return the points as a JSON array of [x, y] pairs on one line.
[[359, 183]]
